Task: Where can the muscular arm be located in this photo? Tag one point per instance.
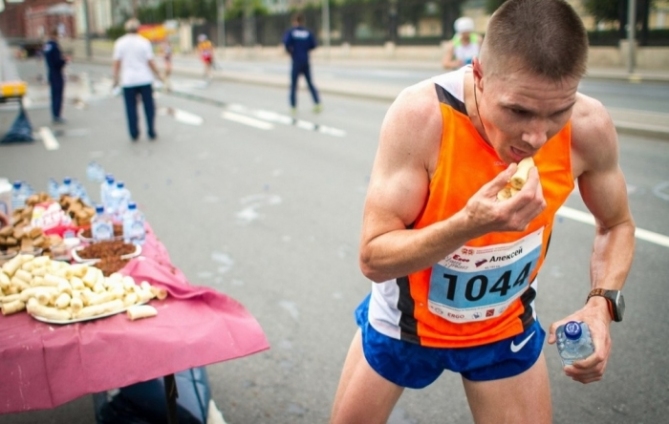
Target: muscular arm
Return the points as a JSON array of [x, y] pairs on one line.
[[407, 154], [603, 189]]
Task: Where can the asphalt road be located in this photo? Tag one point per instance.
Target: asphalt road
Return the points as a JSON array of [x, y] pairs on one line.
[[268, 211]]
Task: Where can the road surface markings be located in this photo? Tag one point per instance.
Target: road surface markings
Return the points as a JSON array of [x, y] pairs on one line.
[[49, 140], [247, 120], [277, 118], [587, 218]]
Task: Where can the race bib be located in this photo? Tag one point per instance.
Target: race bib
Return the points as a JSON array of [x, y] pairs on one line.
[[479, 283]]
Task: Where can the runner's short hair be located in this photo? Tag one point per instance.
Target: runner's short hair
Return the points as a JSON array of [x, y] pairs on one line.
[[299, 18], [545, 37]]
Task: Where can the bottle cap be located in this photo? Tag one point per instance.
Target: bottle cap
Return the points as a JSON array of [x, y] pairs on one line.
[[132, 206], [109, 178], [99, 209], [67, 180], [17, 184], [572, 330], [120, 184]]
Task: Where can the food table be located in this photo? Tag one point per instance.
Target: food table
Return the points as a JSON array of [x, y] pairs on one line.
[[46, 365]]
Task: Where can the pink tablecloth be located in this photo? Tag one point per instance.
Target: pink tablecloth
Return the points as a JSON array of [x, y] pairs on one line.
[[43, 366]]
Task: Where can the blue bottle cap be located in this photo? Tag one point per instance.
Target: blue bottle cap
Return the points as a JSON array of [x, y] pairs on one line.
[[109, 178], [120, 184], [17, 184], [572, 330], [99, 209], [67, 180], [132, 206]]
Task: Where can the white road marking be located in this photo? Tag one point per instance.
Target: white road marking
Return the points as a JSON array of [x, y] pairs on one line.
[[247, 120], [49, 140], [187, 117], [587, 218]]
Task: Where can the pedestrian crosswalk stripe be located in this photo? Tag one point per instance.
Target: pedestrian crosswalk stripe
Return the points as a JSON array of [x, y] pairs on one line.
[[246, 120], [49, 140]]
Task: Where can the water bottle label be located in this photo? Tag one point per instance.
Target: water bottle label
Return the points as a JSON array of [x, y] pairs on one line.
[[479, 283], [102, 231]]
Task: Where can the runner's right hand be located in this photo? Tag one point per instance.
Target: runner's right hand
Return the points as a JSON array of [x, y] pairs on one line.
[[514, 214]]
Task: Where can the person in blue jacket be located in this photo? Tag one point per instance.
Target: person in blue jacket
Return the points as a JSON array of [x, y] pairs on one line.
[[55, 63], [299, 41]]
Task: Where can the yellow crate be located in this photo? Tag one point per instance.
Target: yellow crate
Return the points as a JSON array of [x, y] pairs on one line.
[[13, 88]]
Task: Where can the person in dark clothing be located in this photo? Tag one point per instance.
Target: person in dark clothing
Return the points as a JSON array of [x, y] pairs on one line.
[[55, 63], [299, 41]]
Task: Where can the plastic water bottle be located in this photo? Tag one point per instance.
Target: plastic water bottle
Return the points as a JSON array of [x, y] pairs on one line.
[[52, 188], [119, 198], [133, 225], [574, 342], [102, 227], [65, 189], [79, 191], [95, 172], [105, 189], [18, 196]]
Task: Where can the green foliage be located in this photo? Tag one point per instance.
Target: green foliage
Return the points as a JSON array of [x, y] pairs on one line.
[[603, 10], [115, 32], [181, 9], [492, 5], [238, 9]]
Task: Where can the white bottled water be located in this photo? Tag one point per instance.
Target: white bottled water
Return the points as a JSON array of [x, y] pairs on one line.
[[66, 189], [18, 195], [102, 227], [119, 198], [52, 188], [133, 225], [95, 172], [574, 342], [105, 189]]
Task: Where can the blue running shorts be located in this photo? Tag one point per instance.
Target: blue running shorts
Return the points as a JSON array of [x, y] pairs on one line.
[[411, 365]]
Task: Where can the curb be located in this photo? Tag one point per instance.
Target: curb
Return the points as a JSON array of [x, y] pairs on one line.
[[622, 127]]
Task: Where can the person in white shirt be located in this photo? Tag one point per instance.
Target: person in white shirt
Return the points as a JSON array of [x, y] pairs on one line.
[[464, 46], [133, 63]]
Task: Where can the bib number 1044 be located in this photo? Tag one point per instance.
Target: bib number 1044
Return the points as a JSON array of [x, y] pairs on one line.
[[477, 286]]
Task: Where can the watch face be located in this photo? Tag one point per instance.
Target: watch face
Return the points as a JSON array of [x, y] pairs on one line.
[[619, 302]]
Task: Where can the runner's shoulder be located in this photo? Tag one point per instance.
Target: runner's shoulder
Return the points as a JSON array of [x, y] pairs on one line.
[[593, 131]]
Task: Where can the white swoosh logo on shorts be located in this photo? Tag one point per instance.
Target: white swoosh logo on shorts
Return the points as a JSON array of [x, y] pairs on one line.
[[515, 348]]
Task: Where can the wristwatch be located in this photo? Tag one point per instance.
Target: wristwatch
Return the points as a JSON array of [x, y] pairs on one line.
[[614, 298]]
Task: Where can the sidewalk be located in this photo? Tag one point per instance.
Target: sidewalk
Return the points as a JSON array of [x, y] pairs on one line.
[[627, 121]]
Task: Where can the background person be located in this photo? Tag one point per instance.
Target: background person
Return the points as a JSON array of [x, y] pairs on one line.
[[464, 46], [206, 50], [55, 63], [453, 267], [298, 42], [133, 63]]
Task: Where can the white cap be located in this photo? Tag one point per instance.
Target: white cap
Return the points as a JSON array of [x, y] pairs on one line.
[[201, 37], [463, 24]]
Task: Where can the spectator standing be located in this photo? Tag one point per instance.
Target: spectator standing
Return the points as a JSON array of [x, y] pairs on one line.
[[167, 57], [134, 69], [55, 63], [299, 41], [206, 50], [464, 46]]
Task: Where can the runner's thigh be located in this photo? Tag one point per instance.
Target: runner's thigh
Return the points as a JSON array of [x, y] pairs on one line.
[[363, 396], [522, 399]]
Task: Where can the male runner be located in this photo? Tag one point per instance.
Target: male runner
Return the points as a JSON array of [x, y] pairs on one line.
[[454, 268]]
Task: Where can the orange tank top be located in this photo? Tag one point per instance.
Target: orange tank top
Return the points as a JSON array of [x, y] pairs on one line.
[[483, 291]]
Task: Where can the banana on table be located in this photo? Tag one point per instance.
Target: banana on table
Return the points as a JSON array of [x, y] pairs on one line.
[[59, 291]]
